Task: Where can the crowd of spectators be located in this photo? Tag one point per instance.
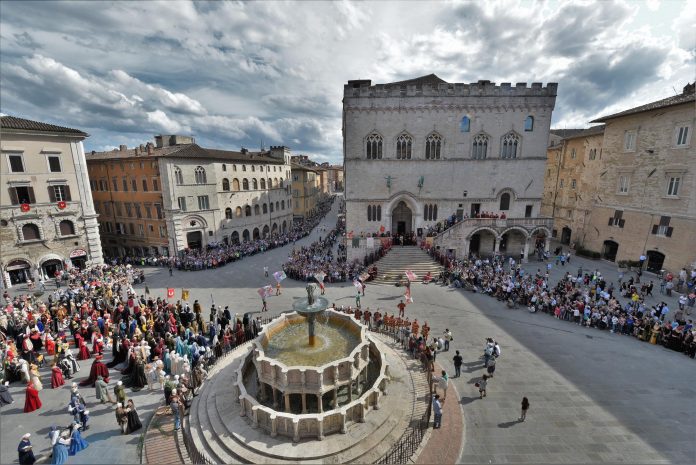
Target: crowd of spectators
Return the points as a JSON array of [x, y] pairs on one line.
[[215, 255], [585, 298]]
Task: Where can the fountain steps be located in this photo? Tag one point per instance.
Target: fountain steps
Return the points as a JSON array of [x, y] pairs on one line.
[[220, 433], [400, 259]]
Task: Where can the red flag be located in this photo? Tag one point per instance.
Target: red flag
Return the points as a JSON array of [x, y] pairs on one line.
[[170, 293]]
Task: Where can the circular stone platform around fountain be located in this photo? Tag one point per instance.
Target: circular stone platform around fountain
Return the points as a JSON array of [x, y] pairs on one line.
[[228, 430]]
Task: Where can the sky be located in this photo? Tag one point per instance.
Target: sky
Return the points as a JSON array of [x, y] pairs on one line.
[[236, 74]]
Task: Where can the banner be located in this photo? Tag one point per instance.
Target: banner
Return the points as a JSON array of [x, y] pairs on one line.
[[170, 293], [357, 284], [265, 291], [411, 275], [279, 275], [184, 294]]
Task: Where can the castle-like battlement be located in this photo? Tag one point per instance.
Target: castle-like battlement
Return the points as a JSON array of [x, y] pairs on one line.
[[363, 88]]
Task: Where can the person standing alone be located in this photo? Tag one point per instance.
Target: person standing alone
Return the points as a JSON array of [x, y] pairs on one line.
[[437, 410], [525, 407], [458, 360]]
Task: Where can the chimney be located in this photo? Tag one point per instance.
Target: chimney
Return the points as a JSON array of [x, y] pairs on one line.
[[244, 151], [123, 147], [137, 151], [142, 148], [150, 148]]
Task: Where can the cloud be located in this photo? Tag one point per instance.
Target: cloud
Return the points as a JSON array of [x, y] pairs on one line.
[[243, 73]]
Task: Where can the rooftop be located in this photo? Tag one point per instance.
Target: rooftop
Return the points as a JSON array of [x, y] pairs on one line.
[[686, 96], [431, 79], [574, 133], [185, 151], [12, 122]]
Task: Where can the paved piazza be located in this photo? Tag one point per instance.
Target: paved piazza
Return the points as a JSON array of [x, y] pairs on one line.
[[595, 396]]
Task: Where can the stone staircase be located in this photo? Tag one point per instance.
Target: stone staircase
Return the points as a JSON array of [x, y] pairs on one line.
[[399, 259]]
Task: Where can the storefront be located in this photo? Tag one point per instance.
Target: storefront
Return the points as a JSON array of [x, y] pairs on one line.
[[78, 257], [18, 272], [50, 265]]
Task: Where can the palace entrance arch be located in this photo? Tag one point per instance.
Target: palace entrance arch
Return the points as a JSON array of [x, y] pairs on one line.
[[402, 219]]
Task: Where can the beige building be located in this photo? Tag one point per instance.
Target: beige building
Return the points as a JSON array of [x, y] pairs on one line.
[[646, 202], [573, 166], [305, 190], [47, 218]]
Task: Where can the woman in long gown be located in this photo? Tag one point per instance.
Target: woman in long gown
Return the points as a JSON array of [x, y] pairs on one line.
[[137, 380], [60, 446], [84, 352], [35, 378], [25, 451], [56, 377], [133, 418], [77, 443], [5, 396], [32, 401]]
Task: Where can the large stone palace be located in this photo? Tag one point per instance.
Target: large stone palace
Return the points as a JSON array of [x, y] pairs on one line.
[[422, 150]]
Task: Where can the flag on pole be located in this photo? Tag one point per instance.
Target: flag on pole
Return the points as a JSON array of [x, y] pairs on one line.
[[170, 293], [357, 284], [265, 291], [411, 275], [184, 294], [279, 275], [320, 279]]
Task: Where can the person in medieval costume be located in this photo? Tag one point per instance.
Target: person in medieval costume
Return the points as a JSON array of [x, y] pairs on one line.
[[25, 451], [5, 395], [56, 377], [32, 401], [98, 369], [102, 388], [77, 443]]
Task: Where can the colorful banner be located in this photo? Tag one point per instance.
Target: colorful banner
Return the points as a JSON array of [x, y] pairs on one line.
[[170, 293], [357, 284], [265, 291], [411, 276], [279, 276], [320, 277], [184, 294]]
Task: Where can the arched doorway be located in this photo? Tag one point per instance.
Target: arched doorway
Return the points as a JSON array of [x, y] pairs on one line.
[[235, 237], [512, 242], [565, 235], [194, 239], [245, 235], [50, 267], [402, 219], [285, 226], [609, 250], [265, 231], [482, 243], [655, 261], [274, 229], [19, 271], [256, 233]]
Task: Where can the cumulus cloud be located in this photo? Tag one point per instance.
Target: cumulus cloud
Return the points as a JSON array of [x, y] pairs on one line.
[[246, 73]]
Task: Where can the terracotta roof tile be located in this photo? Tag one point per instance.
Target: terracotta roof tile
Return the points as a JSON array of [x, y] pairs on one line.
[[12, 122]]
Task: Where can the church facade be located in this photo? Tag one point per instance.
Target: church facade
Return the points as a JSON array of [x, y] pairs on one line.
[[419, 151]]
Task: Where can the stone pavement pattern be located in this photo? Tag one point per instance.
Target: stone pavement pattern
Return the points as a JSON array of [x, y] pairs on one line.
[[161, 441], [595, 397]]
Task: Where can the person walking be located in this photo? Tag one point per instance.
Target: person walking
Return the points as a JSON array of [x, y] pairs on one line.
[[525, 407], [481, 385], [25, 451], [491, 366], [278, 288], [458, 361], [175, 405], [437, 410], [122, 418], [447, 336], [443, 383], [171, 271], [265, 271], [357, 299]]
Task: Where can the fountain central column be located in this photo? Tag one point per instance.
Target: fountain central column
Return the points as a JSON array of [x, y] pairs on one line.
[[311, 329]]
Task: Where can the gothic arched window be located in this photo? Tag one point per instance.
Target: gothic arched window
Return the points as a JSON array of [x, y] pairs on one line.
[[245, 184], [228, 213], [247, 210], [178, 176], [200, 175], [480, 147], [432, 147], [374, 147], [225, 184], [235, 184], [254, 184], [403, 147], [465, 124], [263, 183], [509, 146]]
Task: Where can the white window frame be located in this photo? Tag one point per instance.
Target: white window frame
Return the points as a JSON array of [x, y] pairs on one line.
[[203, 202], [48, 163], [59, 192], [182, 203], [21, 157], [673, 184], [680, 137], [623, 188], [630, 140]]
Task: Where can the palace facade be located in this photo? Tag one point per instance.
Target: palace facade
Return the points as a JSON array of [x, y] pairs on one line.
[[419, 151]]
